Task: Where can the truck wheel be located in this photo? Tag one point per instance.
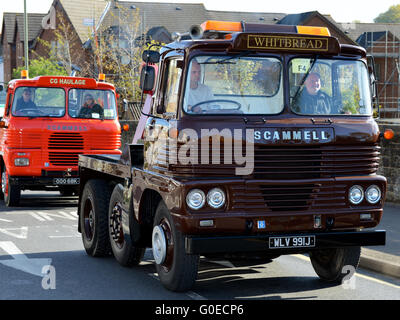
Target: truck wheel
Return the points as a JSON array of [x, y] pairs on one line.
[[176, 269], [12, 194], [124, 252], [329, 263], [94, 218]]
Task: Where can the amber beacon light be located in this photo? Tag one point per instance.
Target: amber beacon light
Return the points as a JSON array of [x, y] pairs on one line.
[[24, 74]]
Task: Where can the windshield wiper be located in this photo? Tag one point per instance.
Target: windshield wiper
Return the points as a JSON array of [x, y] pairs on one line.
[[305, 77], [226, 60]]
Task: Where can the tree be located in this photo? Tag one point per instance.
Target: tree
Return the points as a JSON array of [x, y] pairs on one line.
[[392, 15], [41, 66], [118, 50], [66, 48]]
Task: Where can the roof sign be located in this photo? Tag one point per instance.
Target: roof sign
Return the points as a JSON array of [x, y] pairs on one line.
[[286, 42], [67, 81]]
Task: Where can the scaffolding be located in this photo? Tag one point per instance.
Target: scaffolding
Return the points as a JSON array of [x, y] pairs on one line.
[[384, 46]]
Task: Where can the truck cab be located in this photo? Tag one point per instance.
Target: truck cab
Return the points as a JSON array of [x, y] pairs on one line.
[[47, 122], [258, 141]]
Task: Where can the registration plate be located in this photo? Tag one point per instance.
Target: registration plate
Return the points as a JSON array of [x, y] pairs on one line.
[[291, 242], [61, 181]]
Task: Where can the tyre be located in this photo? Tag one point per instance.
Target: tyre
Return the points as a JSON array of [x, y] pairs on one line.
[[93, 218], [176, 269], [329, 263], [11, 194], [124, 251]]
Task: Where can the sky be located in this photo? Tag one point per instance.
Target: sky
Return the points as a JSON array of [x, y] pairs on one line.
[[340, 10]]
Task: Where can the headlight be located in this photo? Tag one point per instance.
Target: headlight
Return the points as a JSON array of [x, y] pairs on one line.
[[195, 199], [216, 198], [373, 194], [21, 162], [356, 194]]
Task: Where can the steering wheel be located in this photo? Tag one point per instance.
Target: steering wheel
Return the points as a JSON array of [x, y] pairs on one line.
[[29, 112], [237, 104]]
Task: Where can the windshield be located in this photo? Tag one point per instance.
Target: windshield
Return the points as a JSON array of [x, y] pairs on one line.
[[329, 87], [39, 102], [234, 85], [91, 104]]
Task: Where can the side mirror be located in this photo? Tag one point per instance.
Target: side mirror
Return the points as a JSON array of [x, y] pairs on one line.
[[147, 78], [151, 56], [1, 87]]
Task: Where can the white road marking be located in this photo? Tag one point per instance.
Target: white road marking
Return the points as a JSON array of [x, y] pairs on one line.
[[70, 236], [36, 216], [19, 233], [5, 220], [22, 262], [195, 296]]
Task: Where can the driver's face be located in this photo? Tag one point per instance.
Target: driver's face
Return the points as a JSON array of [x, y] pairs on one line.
[[27, 96], [313, 84], [195, 74]]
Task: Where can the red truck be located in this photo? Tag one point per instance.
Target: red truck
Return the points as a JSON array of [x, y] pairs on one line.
[[48, 121]]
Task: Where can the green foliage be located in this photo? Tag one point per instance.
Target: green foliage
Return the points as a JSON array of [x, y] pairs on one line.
[[350, 100], [41, 67], [48, 97], [118, 53], [392, 15]]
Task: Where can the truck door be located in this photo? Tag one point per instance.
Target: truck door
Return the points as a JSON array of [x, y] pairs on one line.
[[166, 107]]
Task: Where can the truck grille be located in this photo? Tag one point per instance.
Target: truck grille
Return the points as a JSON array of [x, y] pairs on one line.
[[308, 162], [61, 140], [63, 159], [60, 143], [289, 197]]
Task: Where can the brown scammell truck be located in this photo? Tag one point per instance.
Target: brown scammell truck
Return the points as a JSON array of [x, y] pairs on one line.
[[257, 141]]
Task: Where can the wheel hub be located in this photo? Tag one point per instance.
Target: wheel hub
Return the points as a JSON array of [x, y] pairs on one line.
[[159, 244]]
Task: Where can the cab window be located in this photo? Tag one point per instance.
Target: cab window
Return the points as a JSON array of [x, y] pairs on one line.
[[171, 91], [38, 102], [91, 104], [329, 87]]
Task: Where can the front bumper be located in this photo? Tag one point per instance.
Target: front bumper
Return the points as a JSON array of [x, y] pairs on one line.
[[46, 180], [260, 243]]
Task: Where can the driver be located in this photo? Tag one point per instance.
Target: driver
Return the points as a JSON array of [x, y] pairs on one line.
[[90, 107], [25, 102], [197, 92], [311, 99]]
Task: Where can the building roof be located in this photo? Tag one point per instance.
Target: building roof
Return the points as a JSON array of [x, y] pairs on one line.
[[304, 17], [355, 30], [34, 25], [13, 22], [83, 14], [179, 17]]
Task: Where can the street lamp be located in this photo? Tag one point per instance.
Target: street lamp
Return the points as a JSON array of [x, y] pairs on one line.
[[26, 38]]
